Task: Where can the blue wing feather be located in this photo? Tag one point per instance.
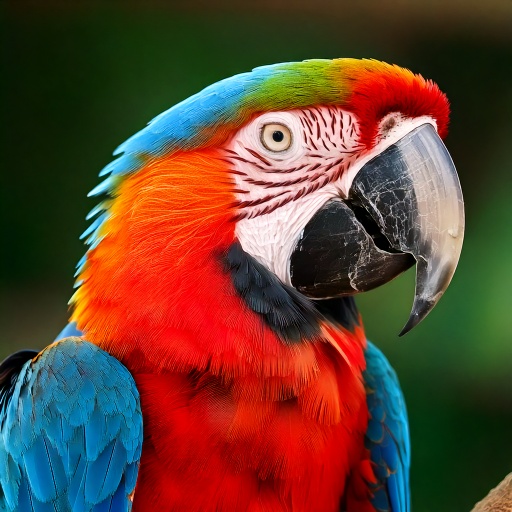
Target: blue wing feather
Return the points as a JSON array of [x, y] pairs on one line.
[[71, 432], [387, 436]]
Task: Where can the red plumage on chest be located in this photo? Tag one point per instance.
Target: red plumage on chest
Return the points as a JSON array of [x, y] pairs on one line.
[[235, 418], [253, 442]]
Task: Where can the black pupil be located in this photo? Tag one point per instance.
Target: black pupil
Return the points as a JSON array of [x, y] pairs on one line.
[[278, 136]]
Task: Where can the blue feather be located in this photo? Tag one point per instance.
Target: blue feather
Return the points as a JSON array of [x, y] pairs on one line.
[[93, 241], [71, 434], [375, 431], [387, 436], [103, 474], [102, 188], [93, 226], [100, 207], [77, 482]]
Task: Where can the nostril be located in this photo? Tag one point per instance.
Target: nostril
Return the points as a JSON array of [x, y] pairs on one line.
[[388, 124]]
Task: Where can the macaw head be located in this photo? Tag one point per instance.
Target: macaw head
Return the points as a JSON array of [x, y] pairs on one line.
[[330, 173]]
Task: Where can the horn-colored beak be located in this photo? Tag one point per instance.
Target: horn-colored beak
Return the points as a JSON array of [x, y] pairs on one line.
[[404, 205]]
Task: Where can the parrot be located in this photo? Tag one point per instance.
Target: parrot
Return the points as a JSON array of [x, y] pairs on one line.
[[215, 359]]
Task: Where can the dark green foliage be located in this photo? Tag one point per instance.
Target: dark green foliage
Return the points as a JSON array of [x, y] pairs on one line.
[[77, 80]]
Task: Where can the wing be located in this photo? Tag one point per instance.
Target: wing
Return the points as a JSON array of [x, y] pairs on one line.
[[70, 431], [387, 436]]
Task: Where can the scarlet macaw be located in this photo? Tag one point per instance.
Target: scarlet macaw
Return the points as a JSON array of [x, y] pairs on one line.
[[215, 308]]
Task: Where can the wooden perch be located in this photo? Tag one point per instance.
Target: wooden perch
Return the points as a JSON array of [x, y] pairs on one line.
[[499, 499]]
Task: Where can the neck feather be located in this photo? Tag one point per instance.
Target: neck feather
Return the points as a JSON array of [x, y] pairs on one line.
[[168, 286]]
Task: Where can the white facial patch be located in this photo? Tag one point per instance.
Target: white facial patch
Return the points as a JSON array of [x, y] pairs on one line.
[[272, 237], [287, 165]]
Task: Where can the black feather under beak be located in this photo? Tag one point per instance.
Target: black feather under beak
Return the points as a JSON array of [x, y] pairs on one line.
[[404, 205]]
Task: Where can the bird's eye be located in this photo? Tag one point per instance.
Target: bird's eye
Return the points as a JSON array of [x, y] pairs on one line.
[[276, 137]]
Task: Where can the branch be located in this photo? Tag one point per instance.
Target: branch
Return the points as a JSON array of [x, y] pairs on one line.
[[499, 499]]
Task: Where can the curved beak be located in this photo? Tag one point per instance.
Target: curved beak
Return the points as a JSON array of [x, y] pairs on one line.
[[405, 205]]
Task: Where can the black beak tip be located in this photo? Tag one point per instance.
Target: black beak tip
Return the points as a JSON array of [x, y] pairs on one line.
[[411, 323], [420, 309]]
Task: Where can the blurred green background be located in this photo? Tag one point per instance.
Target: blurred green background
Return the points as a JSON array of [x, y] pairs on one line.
[[80, 77]]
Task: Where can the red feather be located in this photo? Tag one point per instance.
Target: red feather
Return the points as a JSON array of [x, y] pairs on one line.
[[234, 419], [379, 89]]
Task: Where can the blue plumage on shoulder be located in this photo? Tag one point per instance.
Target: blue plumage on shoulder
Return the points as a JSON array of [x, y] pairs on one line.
[[387, 436], [71, 432]]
